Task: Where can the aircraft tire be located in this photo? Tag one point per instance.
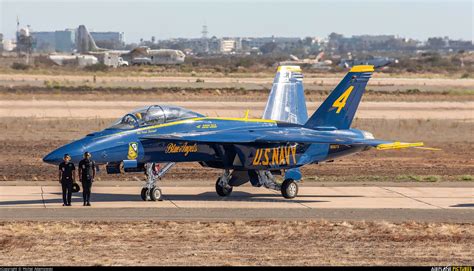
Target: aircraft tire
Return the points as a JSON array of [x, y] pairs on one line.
[[144, 193], [289, 189], [155, 194], [222, 191]]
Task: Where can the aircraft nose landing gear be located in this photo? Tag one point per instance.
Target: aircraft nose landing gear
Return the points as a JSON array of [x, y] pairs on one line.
[[153, 173], [155, 194], [145, 194]]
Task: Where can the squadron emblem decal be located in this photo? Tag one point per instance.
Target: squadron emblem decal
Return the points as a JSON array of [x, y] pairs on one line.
[[132, 151]]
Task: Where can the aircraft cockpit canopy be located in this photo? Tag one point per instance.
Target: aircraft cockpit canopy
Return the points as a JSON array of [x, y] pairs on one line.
[[153, 115]]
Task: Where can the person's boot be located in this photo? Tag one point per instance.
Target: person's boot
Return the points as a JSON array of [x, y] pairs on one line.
[[88, 204]]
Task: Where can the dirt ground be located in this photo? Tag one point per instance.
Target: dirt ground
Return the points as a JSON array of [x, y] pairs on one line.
[[224, 92], [236, 243], [79, 109], [334, 78]]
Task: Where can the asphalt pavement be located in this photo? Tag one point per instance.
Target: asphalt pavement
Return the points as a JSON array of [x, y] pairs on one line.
[[449, 204]]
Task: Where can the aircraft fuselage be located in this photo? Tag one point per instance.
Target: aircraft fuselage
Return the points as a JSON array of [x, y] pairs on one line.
[[116, 145]]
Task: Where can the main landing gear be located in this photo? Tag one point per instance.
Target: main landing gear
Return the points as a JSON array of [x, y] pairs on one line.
[[223, 188], [288, 189], [151, 191]]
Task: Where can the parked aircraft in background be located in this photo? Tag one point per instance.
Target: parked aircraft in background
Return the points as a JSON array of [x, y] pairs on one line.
[[377, 62], [86, 45], [317, 63], [73, 59]]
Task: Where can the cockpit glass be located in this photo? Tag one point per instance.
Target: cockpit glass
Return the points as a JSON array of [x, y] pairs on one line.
[[153, 115]]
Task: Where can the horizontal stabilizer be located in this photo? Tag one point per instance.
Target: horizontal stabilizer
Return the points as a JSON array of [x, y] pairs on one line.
[[402, 145], [398, 145]]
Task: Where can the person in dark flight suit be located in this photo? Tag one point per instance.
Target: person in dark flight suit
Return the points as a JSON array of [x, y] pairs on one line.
[[67, 171], [87, 175]]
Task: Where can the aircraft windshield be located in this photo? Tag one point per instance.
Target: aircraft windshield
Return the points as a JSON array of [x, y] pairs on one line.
[[153, 115]]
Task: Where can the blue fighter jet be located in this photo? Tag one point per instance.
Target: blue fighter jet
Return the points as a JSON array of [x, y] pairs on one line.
[[246, 149]]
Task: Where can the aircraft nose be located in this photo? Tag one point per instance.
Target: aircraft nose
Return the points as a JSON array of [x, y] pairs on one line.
[[52, 158], [74, 149]]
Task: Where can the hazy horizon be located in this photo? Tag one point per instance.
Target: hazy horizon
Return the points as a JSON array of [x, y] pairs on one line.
[[184, 19]]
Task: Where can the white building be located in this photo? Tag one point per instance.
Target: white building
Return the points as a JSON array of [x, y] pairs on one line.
[[227, 45]]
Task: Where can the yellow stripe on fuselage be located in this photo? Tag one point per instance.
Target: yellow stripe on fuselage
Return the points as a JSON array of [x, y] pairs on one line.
[[193, 120], [205, 118]]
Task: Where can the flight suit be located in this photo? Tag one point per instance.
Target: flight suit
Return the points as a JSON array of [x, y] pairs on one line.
[[66, 181], [87, 173]]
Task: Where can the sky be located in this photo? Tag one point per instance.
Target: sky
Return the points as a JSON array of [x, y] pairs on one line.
[[417, 19]]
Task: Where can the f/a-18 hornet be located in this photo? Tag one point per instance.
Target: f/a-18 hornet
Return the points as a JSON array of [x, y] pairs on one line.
[[246, 149]]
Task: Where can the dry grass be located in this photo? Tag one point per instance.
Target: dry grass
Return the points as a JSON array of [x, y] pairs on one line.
[[235, 243]]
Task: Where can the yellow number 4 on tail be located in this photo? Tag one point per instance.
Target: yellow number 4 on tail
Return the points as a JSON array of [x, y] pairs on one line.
[[341, 101]]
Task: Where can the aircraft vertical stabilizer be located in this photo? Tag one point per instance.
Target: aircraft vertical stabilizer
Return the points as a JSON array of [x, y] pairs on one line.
[[286, 101], [85, 42], [338, 110]]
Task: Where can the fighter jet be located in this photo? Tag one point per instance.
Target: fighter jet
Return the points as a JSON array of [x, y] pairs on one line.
[[377, 62], [246, 149], [316, 63]]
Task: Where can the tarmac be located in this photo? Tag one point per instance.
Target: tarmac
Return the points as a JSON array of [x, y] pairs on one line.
[[436, 204], [75, 109]]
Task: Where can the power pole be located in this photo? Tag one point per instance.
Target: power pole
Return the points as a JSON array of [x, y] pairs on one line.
[[204, 32]]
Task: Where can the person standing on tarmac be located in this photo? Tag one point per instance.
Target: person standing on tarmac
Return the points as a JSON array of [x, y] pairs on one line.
[[87, 175], [67, 171]]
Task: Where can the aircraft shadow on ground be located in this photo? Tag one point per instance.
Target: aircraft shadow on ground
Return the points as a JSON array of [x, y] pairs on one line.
[[463, 205], [237, 196]]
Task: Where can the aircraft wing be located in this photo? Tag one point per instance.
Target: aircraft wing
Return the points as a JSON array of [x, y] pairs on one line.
[[279, 136], [241, 137]]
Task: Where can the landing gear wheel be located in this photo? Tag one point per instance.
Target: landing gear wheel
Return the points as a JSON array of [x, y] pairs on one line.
[[289, 189], [155, 194], [222, 191], [144, 194]]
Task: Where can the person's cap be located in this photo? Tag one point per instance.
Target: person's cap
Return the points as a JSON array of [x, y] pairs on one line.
[[87, 153], [67, 155]]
